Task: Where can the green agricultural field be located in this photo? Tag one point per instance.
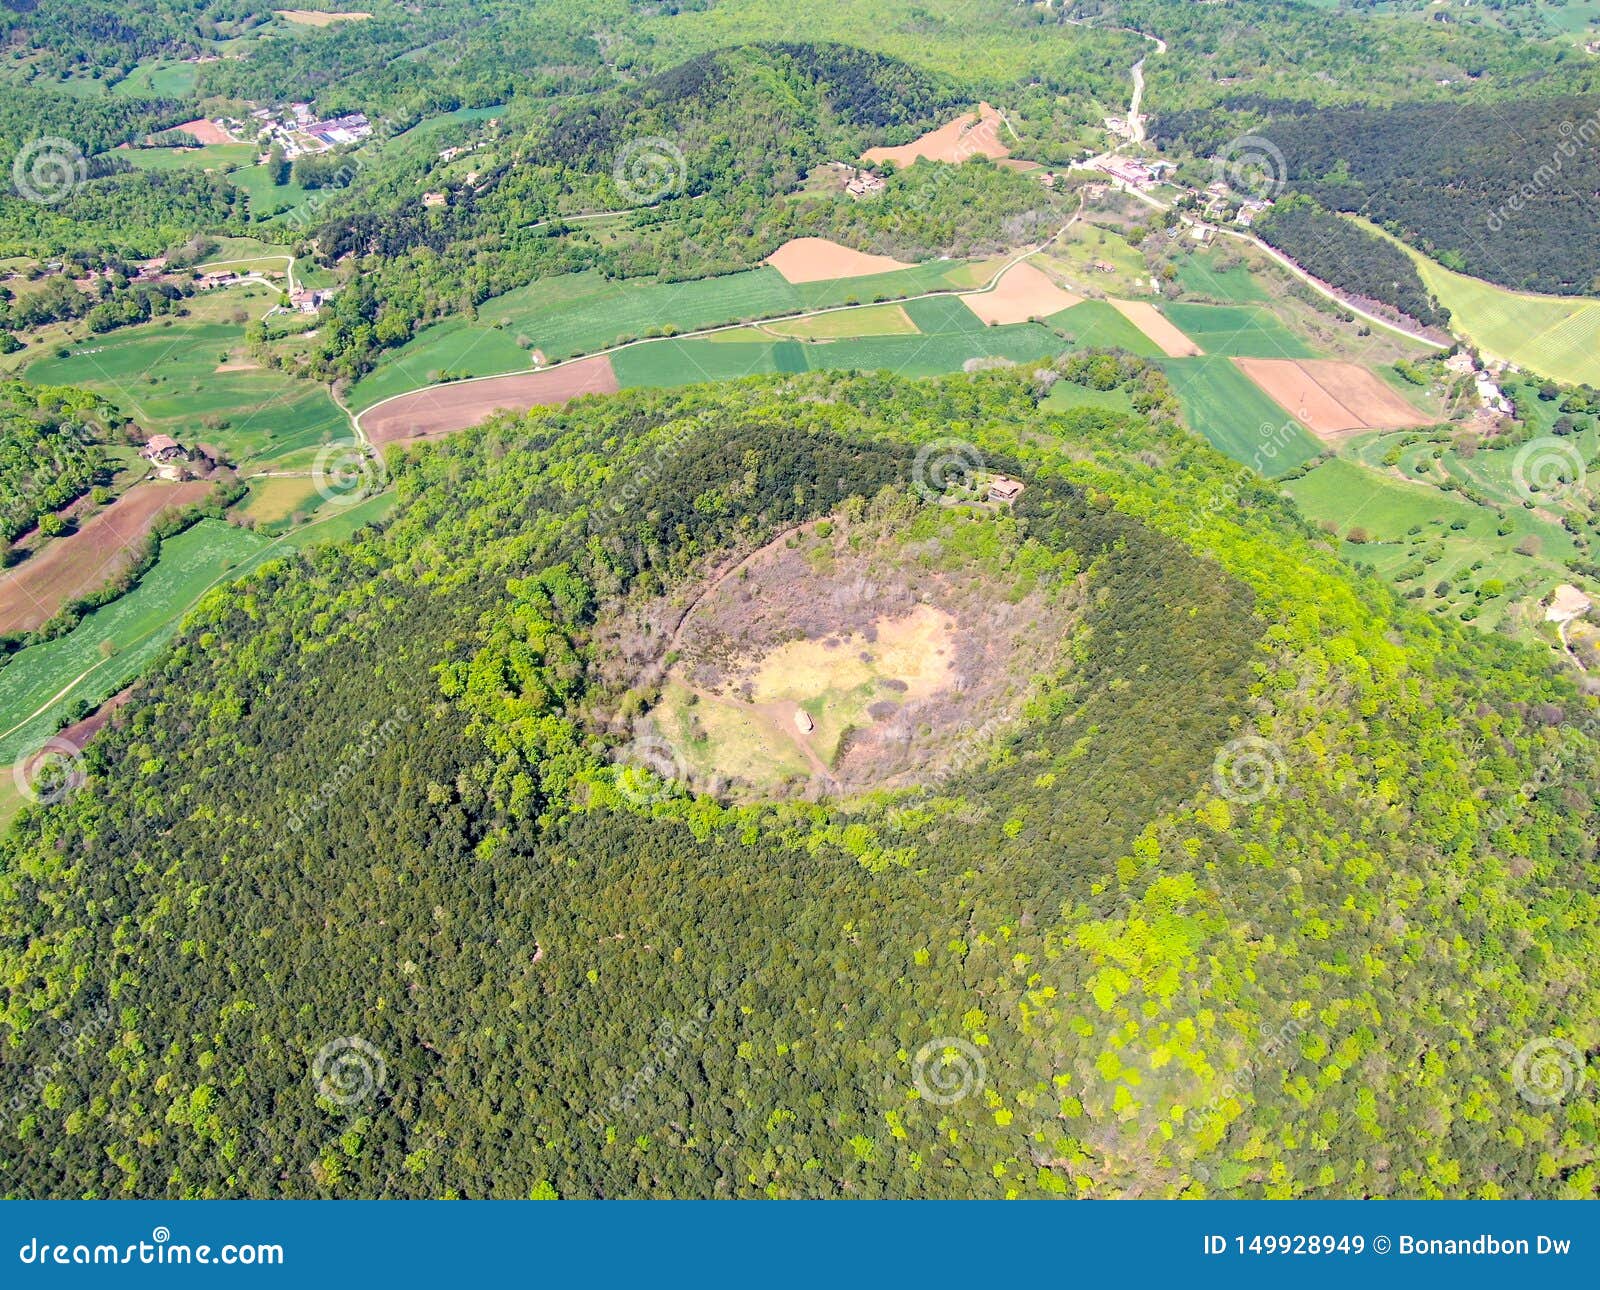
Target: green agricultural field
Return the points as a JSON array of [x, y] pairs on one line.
[[1228, 408], [685, 362], [159, 78], [1198, 274], [166, 377], [584, 312], [1556, 336], [870, 320], [1237, 331], [1096, 325], [217, 156], [43, 682], [266, 198], [939, 315]]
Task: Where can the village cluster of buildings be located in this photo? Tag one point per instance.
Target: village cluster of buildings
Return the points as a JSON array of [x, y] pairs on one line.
[[297, 130]]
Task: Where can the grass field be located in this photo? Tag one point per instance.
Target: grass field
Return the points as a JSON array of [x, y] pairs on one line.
[[165, 377], [217, 156], [266, 198], [1238, 331], [1557, 336], [583, 312], [1064, 396], [44, 681], [870, 320], [158, 78], [1096, 324], [1198, 273], [1419, 537], [1223, 404]]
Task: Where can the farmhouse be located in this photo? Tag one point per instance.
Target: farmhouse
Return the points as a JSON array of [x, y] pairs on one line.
[[1002, 489], [1133, 173], [161, 447], [308, 302]]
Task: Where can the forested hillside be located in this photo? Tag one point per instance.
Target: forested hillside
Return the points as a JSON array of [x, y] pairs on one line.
[[1349, 257], [1239, 902], [1502, 191]]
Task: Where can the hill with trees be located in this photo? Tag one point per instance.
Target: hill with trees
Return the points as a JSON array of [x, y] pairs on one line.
[[364, 892]]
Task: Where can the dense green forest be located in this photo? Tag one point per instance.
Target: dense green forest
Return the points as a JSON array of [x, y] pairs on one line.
[[48, 451], [1240, 903], [1350, 257], [1502, 191]]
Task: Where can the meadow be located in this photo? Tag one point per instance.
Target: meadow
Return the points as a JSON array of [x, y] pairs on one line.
[[1449, 552], [1557, 336], [112, 645], [165, 375]]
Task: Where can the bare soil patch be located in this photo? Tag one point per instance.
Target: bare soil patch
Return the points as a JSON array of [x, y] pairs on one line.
[[1153, 323], [816, 259], [441, 409], [317, 18], [34, 591], [1023, 292], [972, 135], [845, 655], [204, 131], [1331, 399]]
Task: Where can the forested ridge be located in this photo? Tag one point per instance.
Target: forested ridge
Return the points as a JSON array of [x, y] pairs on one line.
[[1503, 191], [368, 795], [1349, 257]]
